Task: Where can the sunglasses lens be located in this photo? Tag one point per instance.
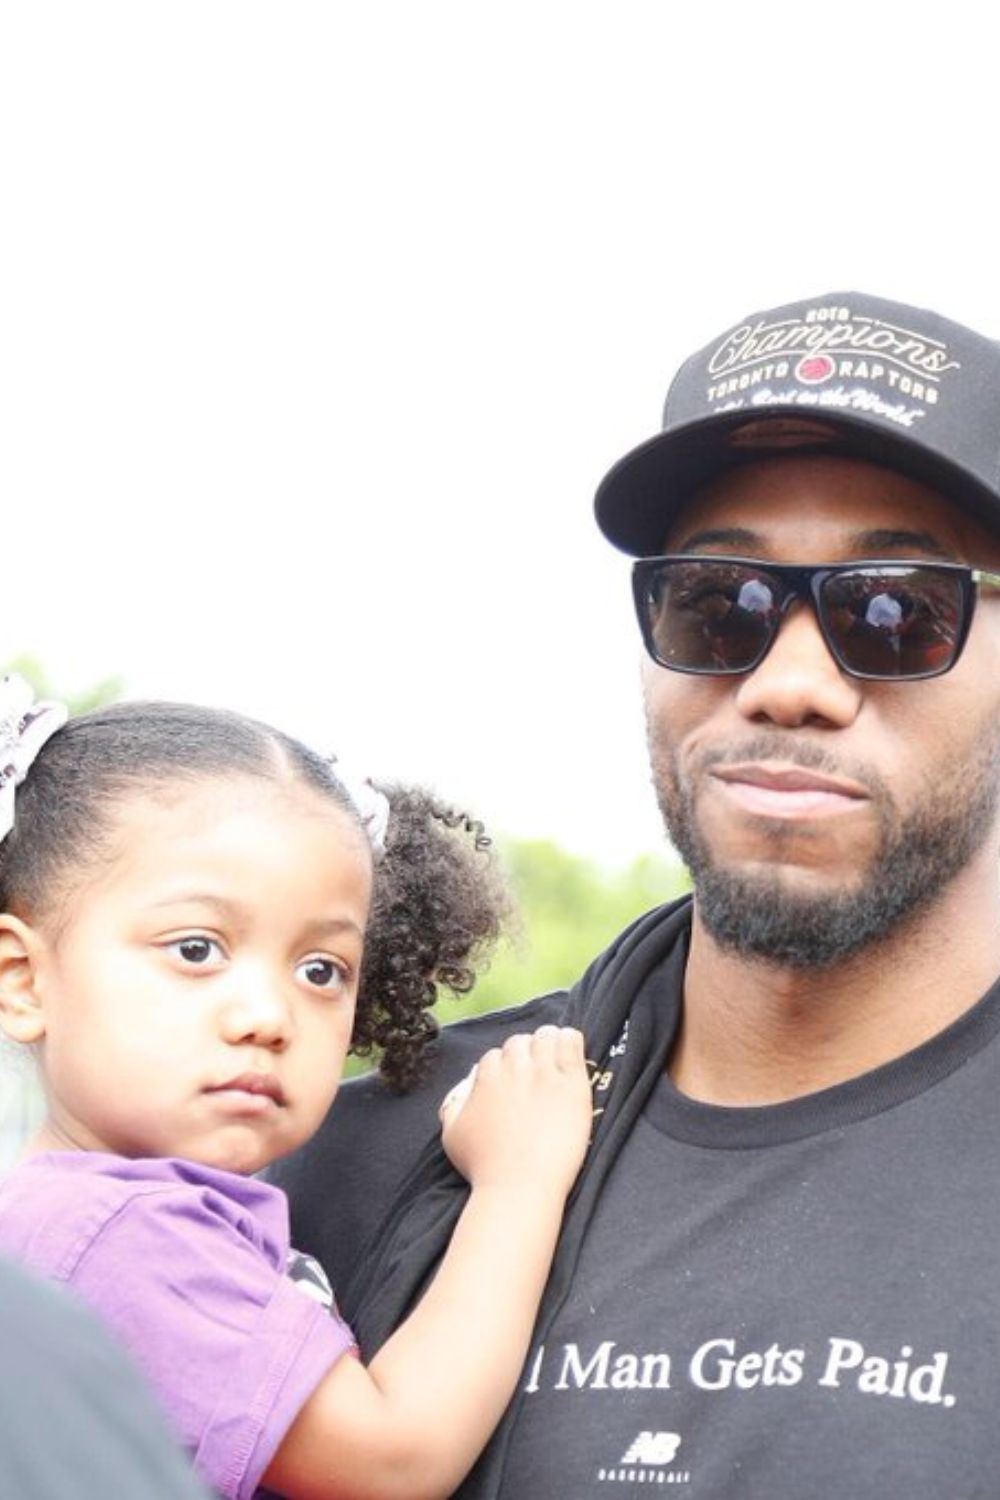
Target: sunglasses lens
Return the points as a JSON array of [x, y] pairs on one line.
[[893, 622], [709, 616]]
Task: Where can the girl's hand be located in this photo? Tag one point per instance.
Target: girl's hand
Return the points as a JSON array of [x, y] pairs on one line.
[[519, 1137], [524, 1114]]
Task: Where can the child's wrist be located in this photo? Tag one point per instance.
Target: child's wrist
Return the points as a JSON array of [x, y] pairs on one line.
[[527, 1192]]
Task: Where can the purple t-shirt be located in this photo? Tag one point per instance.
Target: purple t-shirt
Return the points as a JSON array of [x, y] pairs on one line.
[[189, 1266]]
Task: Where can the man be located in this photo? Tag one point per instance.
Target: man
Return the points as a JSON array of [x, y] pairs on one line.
[[75, 1419], [778, 1274]]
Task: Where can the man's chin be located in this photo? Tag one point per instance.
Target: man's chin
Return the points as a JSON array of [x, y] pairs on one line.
[[787, 907], [789, 917], [790, 881]]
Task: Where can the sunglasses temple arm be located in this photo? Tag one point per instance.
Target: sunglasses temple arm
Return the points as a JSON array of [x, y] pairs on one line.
[[986, 582]]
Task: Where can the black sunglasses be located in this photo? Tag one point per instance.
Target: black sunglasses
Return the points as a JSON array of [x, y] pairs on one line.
[[885, 621]]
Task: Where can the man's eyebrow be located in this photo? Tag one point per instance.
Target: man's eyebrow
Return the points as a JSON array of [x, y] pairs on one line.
[[875, 542], [892, 539], [721, 536]]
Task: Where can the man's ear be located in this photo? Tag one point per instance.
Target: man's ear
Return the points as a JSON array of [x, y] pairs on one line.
[[21, 1014]]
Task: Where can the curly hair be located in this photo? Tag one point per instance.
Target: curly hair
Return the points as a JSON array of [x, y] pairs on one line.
[[438, 907], [438, 901]]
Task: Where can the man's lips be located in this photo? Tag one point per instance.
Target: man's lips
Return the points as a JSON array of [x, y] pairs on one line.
[[250, 1085], [775, 790]]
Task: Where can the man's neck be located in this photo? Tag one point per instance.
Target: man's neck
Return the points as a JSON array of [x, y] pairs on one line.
[[754, 1033]]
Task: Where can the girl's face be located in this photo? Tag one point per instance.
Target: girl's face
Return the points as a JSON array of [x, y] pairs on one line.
[[197, 992]]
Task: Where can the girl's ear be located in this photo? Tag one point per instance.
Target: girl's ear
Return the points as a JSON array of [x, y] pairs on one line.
[[21, 1015]]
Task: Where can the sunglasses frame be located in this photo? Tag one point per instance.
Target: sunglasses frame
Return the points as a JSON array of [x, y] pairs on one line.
[[804, 583]]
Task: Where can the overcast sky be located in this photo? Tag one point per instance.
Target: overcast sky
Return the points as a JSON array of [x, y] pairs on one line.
[[319, 324]]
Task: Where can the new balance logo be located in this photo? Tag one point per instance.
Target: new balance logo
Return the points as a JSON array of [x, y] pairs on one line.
[[645, 1461], [653, 1448]]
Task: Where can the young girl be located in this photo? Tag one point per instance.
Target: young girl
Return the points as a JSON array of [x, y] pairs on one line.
[[197, 920]]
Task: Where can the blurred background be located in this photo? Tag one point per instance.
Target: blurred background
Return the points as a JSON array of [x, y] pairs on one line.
[[320, 322]]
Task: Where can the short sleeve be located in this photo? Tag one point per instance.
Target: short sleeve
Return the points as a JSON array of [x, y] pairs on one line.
[[230, 1345]]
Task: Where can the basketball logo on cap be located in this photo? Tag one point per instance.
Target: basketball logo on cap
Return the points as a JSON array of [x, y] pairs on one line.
[[813, 369]]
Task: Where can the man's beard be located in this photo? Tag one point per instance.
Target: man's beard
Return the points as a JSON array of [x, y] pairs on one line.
[[757, 915]]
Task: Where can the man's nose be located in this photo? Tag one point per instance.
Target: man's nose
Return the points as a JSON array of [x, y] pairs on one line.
[[798, 682], [256, 1009]]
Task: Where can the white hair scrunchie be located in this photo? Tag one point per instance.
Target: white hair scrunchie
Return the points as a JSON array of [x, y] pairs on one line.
[[25, 725], [371, 805]]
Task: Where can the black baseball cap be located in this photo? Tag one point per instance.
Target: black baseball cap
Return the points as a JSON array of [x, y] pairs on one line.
[[844, 373]]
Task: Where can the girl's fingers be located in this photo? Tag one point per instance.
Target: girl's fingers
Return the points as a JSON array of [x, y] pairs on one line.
[[569, 1047], [560, 1047], [518, 1048]]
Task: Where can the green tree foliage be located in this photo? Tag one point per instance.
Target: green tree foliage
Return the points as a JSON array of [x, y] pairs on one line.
[[569, 909]]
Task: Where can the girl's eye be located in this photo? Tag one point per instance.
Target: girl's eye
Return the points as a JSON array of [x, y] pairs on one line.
[[195, 950], [322, 973]]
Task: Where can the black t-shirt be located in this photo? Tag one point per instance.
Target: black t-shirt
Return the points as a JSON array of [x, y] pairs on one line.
[[799, 1301]]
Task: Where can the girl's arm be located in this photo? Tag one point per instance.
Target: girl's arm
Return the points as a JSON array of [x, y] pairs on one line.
[[411, 1425]]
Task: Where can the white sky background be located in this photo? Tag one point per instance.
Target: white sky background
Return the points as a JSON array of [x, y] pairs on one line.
[[320, 322]]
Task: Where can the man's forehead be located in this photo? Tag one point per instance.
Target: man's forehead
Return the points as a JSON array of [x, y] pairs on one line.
[[825, 507]]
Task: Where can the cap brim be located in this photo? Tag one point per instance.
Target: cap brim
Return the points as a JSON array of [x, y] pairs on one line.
[[640, 496]]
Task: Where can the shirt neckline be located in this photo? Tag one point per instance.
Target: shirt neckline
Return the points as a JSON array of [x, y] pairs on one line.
[[730, 1127]]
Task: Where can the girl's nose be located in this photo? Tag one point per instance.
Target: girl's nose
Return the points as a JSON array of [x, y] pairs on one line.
[[256, 1011]]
